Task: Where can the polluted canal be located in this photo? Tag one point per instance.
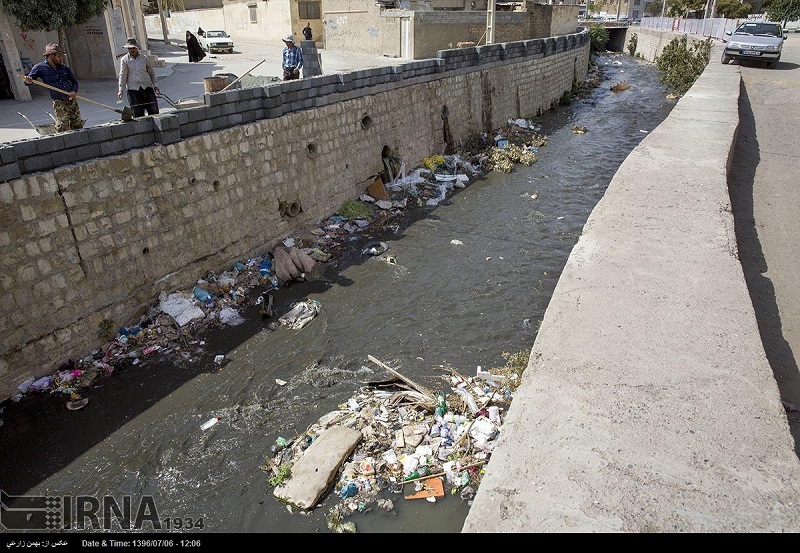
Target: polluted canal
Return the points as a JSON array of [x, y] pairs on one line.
[[461, 289]]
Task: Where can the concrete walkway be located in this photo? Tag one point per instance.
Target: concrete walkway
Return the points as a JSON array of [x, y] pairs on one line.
[[649, 404], [177, 79]]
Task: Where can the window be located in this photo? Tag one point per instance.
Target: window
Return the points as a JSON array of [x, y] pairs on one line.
[[635, 2], [308, 10], [635, 14], [253, 13]]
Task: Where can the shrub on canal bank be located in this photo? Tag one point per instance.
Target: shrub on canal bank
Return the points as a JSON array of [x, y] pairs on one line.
[[680, 64]]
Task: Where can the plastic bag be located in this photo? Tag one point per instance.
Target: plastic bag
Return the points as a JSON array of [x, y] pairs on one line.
[[180, 307], [230, 316]]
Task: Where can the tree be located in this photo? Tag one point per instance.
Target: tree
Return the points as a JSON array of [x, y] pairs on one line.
[[598, 37], [33, 15], [783, 10], [682, 8], [654, 8], [732, 9]]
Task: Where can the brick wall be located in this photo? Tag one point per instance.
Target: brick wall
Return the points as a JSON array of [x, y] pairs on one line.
[[95, 223]]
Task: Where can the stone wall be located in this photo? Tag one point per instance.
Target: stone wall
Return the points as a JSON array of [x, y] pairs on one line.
[[95, 223]]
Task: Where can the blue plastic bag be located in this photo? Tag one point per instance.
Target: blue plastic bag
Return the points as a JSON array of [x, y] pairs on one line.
[[348, 491], [201, 295]]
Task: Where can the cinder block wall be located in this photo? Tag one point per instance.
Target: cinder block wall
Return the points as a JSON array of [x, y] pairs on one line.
[[95, 223], [650, 42]]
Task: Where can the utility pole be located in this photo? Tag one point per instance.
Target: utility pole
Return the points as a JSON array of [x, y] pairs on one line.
[[490, 22], [163, 22]]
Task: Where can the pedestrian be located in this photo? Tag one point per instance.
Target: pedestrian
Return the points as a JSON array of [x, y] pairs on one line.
[[52, 71], [196, 52], [136, 73], [200, 32], [292, 59], [307, 31]]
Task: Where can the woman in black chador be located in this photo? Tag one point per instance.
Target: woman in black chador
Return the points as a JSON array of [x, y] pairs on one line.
[[193, 46]]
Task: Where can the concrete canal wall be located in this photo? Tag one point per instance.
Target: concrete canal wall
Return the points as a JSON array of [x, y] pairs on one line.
[[648, 404], [95, 223]]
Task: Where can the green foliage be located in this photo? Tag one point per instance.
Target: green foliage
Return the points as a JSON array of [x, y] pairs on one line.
[[105, 330], [355, 209], [654, 8], [731, 9], [680, 65], [598, 37], [633, 42], [517, 361], [283, 473], [682, 8], [33, 15], [783, 10], [566, 99]]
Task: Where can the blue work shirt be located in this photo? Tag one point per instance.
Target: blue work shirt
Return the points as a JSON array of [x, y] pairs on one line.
[[292, 58], [61, 77]]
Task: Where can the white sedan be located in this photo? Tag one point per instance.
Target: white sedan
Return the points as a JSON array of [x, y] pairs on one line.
[[216, 41]]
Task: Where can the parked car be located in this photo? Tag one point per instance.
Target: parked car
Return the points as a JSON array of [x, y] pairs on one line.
[[216, 41], [760, 41]]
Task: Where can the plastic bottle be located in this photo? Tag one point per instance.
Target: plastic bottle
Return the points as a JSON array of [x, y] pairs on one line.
[[421, 471], [442, 402], [209, 423]]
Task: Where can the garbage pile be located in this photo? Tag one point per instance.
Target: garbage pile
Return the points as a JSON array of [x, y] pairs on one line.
[[174, 324], [415, 441]]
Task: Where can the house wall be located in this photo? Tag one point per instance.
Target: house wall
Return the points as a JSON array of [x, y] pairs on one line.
[[11, 58], [273, 22], [563, 20], [367, 28], [95, 223], [353, 25], [89, 48]]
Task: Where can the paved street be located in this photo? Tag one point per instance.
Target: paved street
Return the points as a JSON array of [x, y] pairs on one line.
[[178, 79], [765, 198]]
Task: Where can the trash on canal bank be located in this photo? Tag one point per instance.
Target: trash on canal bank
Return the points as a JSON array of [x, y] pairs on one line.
[[173, 326], [401, 444]]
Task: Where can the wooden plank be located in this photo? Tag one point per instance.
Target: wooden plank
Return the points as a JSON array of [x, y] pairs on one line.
[[434, 487]]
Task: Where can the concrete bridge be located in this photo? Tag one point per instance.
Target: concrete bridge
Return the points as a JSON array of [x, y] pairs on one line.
[[617, 33], [649, 404]]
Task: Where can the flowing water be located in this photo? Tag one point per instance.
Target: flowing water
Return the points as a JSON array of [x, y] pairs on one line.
[[461, 305]]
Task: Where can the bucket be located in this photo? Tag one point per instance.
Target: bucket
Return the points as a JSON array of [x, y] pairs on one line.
[[214, 84]]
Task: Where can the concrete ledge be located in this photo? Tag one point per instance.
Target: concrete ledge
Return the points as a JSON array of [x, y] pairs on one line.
[[313, 473], [648, 404]]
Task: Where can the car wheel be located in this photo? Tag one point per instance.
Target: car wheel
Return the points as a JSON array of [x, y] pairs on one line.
[[725, 59]]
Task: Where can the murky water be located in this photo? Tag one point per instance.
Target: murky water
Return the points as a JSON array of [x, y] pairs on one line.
[[442, 304]]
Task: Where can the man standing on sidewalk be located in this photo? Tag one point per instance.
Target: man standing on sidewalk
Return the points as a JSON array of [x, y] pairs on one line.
[[292, 59], [52, 71], [137, 74]]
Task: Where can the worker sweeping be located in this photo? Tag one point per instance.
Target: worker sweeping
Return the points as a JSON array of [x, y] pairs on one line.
[[52, 71]]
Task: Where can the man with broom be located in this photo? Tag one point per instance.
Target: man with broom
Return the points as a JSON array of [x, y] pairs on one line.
[[53, 72], [136, 73]]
